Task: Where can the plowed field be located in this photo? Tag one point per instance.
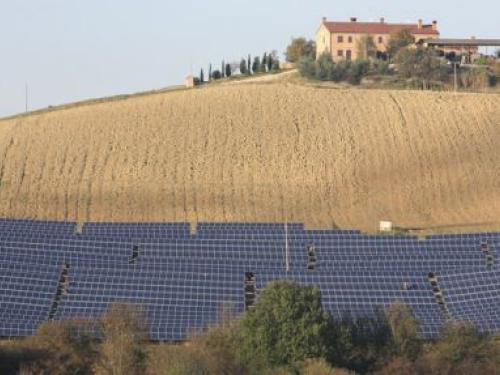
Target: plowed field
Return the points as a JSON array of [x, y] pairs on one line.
[[260, 152]]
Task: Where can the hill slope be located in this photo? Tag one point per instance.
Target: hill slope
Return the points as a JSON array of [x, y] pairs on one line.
[[260, 153]]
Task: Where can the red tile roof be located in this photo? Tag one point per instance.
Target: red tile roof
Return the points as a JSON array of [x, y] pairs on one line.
[[377, 28]]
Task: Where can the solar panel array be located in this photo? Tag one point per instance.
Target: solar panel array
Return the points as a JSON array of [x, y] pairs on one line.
[[187, 282]]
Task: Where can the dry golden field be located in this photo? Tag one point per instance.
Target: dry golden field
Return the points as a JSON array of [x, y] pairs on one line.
[[260, 152]]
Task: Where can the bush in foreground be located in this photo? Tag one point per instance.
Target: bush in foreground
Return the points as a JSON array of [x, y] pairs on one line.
[[57, 348], [287, 325], [286, 332], [124, 331], [215, 353]]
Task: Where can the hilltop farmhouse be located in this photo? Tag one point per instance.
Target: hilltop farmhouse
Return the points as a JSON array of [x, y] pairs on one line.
[[340, 38]]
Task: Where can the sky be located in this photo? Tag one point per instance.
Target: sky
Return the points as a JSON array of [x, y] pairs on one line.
[[70, 50]]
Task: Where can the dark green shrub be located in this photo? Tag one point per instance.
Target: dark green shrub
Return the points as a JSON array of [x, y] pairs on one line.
[[359, 344], [307, 67], [358, 70], [340, 71], [324, 67], [216, 74]]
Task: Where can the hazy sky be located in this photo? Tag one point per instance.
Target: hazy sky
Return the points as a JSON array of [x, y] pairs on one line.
[[68, 50]]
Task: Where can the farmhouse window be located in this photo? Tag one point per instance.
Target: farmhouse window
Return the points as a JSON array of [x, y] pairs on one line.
[[340, 39], [340, 53]]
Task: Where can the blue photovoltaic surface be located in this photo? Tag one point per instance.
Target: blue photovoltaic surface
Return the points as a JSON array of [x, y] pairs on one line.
[[186, 282]]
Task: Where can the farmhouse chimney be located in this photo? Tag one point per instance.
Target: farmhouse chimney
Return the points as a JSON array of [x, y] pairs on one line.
[[325, 19], [434, 25], [420, 24], [382, 19], [353, 19]]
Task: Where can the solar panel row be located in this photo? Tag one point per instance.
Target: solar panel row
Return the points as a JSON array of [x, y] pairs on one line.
[[184, 281]]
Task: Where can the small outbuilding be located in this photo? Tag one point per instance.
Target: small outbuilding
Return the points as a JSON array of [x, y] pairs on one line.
[[385, 226], [191, 81]]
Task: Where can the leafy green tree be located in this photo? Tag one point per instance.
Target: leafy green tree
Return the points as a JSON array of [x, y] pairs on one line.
[[398, 40], [405, 331], [256, 64], [420, 64], [243, 67], [229, 70], [286, 325], [300, 47], [366, 47]]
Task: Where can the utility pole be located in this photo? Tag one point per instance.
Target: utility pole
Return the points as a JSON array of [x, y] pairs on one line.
[[455, 79], [26, 97], [287, 260]]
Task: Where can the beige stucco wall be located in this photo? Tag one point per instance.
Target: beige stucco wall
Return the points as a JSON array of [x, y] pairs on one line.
[[334, 46], [323, 42]]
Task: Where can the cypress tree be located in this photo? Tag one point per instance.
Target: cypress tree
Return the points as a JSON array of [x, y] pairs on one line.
[[202, 76], [270, 62], [256, 64], [228, 70], [249, 67], [223, 69], [210, 73], [243, 67], [263, 63]]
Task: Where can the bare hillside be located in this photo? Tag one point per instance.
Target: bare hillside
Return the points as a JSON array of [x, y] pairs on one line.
[[260, 153]]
